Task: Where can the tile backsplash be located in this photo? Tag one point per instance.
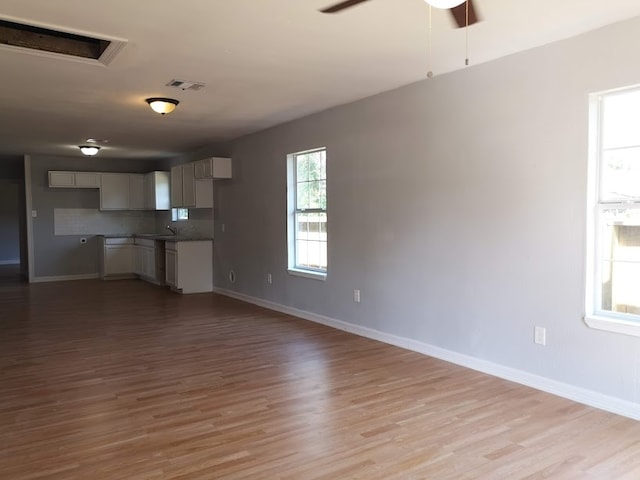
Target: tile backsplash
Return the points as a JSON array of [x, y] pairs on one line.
[[200, 222], [88, 221]]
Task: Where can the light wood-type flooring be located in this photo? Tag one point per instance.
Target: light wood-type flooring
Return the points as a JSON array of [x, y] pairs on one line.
[[124, 380]]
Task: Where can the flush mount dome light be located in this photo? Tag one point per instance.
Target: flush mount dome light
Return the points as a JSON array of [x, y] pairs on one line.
[[89, 150], [444, 3], [162, 105]]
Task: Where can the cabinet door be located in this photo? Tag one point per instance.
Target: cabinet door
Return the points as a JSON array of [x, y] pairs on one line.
[[171, 270], [87, 180], [149, 192], [200, 168], [149, 263], [136, 191], [188, 185], [176, 186], [138, 260], [114, 191], [204, 193], [157, 190], [61, 179], [220, 167], [118, 259]]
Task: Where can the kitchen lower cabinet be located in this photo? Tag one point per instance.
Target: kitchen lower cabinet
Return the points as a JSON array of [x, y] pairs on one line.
[[145, 259], [189, 266], [117, 258]]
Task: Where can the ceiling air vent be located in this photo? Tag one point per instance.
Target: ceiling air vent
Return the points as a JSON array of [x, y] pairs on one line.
[[46, 41], [186, 85]]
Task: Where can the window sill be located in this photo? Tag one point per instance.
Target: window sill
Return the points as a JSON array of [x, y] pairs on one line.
[[616, 325], [307, 274]]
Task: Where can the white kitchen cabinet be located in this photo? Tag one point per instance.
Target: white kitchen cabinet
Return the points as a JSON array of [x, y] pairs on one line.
[[189, 266], [188, 185], [87, 179], [176, 186], [61, 179], [213, 167], [156, 191], [114, 191], [171, 260], [186, 191], [204, 193], [118, 258], [122, 191], [136, 191], [74, 179], [145, 259]]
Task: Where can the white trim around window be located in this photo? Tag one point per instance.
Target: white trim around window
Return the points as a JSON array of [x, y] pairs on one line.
[[307, 214], [612, 300]]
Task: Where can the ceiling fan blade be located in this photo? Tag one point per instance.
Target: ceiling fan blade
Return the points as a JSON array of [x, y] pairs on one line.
[[459, 14], [341, 6]]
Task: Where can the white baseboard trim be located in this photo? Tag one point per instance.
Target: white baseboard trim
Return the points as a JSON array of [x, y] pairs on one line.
[[561, 389], [64, 278], [10, 262]]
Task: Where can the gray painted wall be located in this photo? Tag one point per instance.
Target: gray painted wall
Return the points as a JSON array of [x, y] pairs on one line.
[[13, 241], [456, 205], [65, 255], [9, 221]]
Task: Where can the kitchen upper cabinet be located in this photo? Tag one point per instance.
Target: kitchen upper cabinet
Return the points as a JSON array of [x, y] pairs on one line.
[[74, 179], [186, 191], [87, 179], [157, 191], [114, 191], [188, 185], [136, 191], [214, 167], [176, 186], [122, 191]]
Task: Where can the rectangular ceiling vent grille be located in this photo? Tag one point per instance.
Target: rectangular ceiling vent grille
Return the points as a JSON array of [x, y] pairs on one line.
[[186, 85], [43, 40]]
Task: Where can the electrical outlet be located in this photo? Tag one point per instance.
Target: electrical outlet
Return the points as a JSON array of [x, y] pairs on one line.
[[356, 296], [269, 279], [540, 335]]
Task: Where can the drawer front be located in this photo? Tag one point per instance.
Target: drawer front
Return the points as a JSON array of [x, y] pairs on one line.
[[118, 241], [146, 242]]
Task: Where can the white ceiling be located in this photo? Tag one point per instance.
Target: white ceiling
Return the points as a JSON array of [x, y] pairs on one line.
[[263, 62]]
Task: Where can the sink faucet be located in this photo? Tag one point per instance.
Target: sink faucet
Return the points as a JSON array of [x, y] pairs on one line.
[[173, 230]]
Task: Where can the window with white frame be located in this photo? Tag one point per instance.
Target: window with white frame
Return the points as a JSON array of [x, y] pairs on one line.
[[178, 214], [613, 262], [307, 206]]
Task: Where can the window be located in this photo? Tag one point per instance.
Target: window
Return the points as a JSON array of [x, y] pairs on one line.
[[178, 214], [307, 205], [613, 263]]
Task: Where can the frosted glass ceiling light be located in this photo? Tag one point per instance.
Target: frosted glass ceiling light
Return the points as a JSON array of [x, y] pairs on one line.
[[89, 150], [444, 3], [162, 105]]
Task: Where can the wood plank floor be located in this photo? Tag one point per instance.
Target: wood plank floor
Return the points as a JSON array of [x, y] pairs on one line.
[[123, 380]]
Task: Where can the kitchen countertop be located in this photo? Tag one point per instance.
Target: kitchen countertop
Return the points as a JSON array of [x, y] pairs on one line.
[[161, 237]]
